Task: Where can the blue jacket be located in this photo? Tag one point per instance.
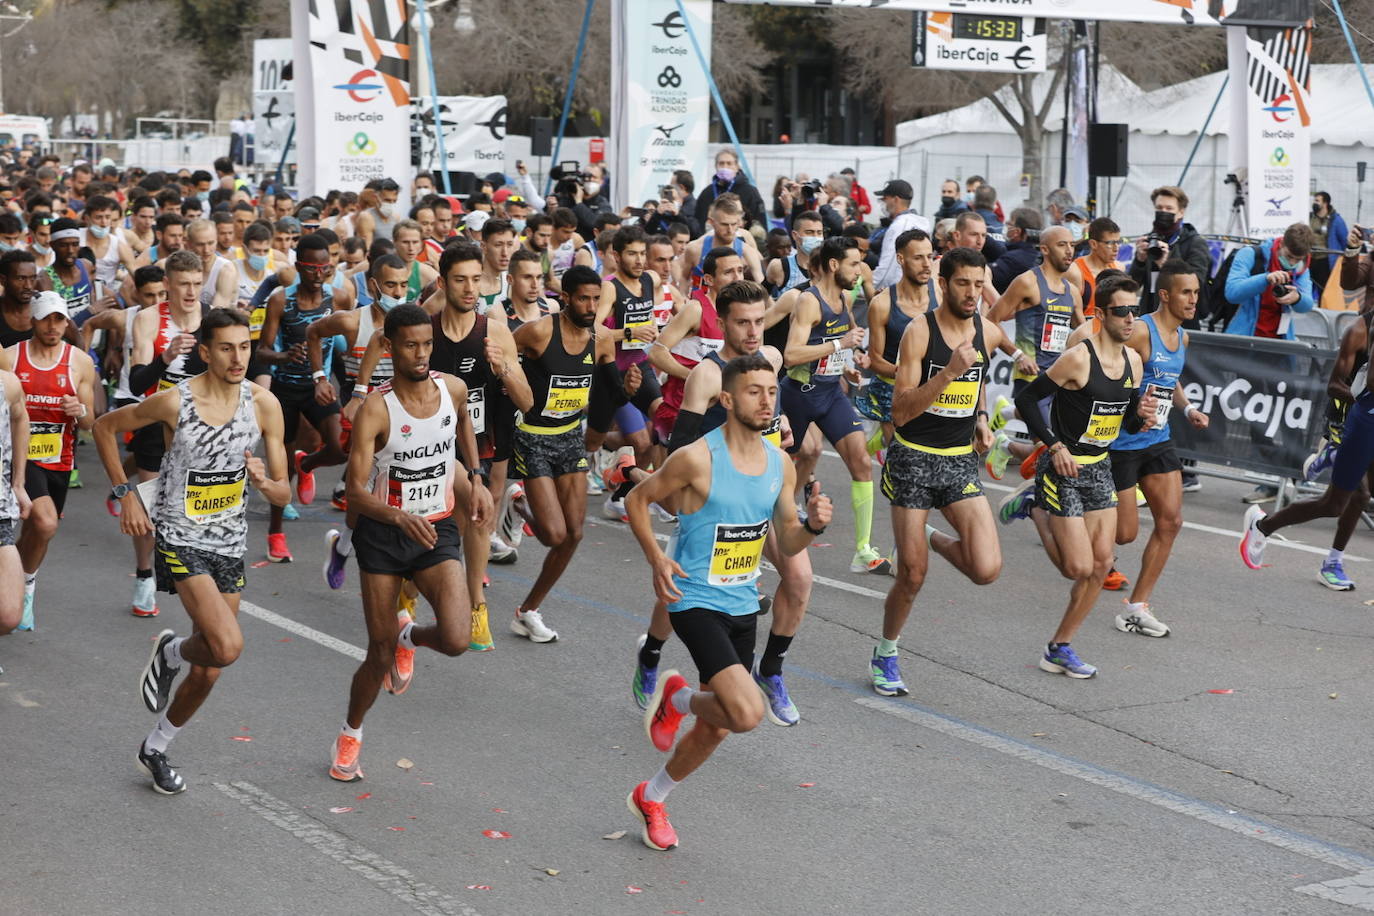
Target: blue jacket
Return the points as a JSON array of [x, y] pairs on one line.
[[1246, 290], [1336, 233]]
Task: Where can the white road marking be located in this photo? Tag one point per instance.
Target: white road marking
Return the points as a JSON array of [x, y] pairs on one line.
[[300, 629], [1356, 891], [384, 874]]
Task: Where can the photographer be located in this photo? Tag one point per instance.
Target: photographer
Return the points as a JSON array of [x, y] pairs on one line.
[[1170, 237], [795, 198], [1266, 301], [1023, 246], [676, 205], [1328, 231], [581, 192]]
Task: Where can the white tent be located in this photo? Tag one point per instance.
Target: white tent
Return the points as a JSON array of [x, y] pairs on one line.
[[1164, 126]]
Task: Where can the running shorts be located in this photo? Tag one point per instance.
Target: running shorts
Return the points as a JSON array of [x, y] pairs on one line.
[[548, 455], [40, 482], [7, 527], [172, 564], [716, 640], [876, 401], [1356, 453], [825, 405], [386, 550], [913, 479], [1070, 497], [1131, 464], [298, 401]]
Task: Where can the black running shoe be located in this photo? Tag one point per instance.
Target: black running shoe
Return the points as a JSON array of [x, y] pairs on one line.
[[156, 683], [166, 781]]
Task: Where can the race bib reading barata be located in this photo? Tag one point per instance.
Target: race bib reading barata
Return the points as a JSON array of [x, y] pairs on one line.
[[1104, 423], [212, 496], [45, 442], [735, 556], [568, 396]]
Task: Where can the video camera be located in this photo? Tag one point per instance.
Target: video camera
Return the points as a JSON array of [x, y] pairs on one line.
[[567, 176], [810, 190]]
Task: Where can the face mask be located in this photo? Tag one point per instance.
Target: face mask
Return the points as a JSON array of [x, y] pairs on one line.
[[1316, 209], [1076, 231], [810, 243], [387, 303], [725, 174], [202, 195], [1290, 264], [99, 232], [947, 202], [968, 197], [386, 210], [1164, 220], [258, 262], [6, 246], [592, 188], [44, 250], [518, 225]]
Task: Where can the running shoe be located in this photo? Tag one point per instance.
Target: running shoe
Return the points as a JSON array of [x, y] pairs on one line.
[[614, 510], [594, 487], [345, 767], [1333, 576], [662, 514], [502, 554], [1319, 461], [509, 529], [1138, 619], [277, 551], [642, 685], [1115, 581], [290, 513], [765, 604], [658, 833], [998, 419], [113, 507], [779, 706], [74, 480], [875, 443], [615, 475], [1028, 465], [887, 679], [1192, 483], [1252, 540], [1063, 660], [337, 499], [26, 619], [867, 559], [145, 598], [480, 640], [305, 481], [155, 683], [530, 624], [402, 672], [999, 456], [166, 781], [1017, 504], [661, 718], [335, 563], [1260, 494]]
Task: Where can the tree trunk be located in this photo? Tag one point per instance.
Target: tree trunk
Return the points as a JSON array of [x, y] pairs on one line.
[[1032, 142]]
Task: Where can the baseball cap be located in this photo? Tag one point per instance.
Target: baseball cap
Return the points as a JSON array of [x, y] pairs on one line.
[[1075, 210], [897, 188], [47, 303], [309, 216], [495, 179], [475, 220], [502, 195], [291, 223]]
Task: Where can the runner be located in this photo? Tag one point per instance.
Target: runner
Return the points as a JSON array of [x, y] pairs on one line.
[[792, 272], [725, 218], [409, 239], [19, 273], [937, 406], [14, 499], [1093, 392], [402, 477], [106, 245], [1147, 459], [660, 261], [1104, 241], [221, 287], [138, 235], [820, 345], [561, 354], [215, 420], [593, 252], [259, 262], [377, 222], [731, 488], [526, 302], [71, 275], [498, 244]]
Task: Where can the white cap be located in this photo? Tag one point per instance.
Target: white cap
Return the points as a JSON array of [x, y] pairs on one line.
[[47, 303], [475, 220]]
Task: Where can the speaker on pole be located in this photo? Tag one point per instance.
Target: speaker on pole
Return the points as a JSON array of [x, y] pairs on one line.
[[1107, 149], [541, 136]]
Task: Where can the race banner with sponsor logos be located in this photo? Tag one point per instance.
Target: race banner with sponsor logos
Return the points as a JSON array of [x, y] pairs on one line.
[[359, 87], [991, 44], [1278, 102], [474, 133], [274, 101], [1178, 12], [660, 98]]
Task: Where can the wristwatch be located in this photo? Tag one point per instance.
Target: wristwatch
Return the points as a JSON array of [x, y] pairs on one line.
[[814, 533], [120, 490]]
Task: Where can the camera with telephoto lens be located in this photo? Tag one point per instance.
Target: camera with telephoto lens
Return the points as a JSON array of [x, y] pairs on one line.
[[1281, 290], [810, 190], [1154, 246]]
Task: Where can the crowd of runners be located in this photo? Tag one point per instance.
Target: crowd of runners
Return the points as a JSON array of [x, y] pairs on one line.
[[480, 368]]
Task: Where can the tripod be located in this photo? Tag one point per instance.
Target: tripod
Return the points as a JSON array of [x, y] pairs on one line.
[[1238, 224]]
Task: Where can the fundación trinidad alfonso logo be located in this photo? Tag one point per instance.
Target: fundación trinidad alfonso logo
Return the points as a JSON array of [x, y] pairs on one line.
[[1280, 158], [361, 145], [363, 87]]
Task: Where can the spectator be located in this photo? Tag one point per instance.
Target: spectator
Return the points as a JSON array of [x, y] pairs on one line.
[[1266, 302], [1329, 231], [896, 197], [1171, 237], [1023, 247], [985, 205], [676, 205], [858, 193], [1057, 203], [971, 187], [728, 178], [951, 204], [1075, 219]]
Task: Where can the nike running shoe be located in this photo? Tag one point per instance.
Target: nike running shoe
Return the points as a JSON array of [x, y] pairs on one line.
[[662, 514], [999, 417], [1115, 581], [1028, 465], [999, 456], [277, 551], [509, 529], [305, 482], [867, 559], [166, 781], [642, 685], [1063, 660], [661, 718], [502, 554], [290, 513], [345, 767], [530, 624], [875, 443], [335, 563], [887, 679], [779, 705], [26, 619], [614, 510], [658, 833], [1138, 619], [1017, 504], [145, 598], [480, 640], [1320, 461], [1192, 483], [337, 499], [155, 683], [403, 665], [1333, 576], [1252, 540]]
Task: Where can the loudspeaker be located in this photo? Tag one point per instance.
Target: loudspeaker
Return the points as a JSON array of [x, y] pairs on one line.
[[1107, 150], [541, 136], [1360, 168]]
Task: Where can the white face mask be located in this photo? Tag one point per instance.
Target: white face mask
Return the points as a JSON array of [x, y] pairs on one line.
[[592, 188], [386, 209]]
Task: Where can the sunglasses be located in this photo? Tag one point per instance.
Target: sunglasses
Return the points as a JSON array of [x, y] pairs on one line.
[[1121, 311], [313, 268]]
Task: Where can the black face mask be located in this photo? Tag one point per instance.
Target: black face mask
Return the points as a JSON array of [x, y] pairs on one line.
[[1165, 221], [947, 201], [1316, 209]]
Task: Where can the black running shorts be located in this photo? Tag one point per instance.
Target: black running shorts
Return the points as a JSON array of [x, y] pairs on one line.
[[1070, 497], [1131, 464], [385, 550], [548, 455], [913, 479], [296, 402], [716, 640], [40, 482], [171, 564]]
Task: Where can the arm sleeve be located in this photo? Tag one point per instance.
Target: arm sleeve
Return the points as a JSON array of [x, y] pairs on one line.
[[141, 378], [265, 289], [1028, 406], [1133, 421], [686, 430], [609, 376]]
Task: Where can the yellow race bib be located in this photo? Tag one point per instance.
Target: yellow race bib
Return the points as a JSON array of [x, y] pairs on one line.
[[214, 495], [1104, 423], [568, 396], [45, 442], [735, 556]]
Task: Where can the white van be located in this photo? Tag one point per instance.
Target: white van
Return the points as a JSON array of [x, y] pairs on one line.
[[23, 130]]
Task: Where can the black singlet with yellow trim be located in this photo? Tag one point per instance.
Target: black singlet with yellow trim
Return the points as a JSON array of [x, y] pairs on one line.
[[561, 383], [1087, 420], [948, 424]]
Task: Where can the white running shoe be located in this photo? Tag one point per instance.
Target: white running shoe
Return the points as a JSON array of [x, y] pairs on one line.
[[530, 624], [1136, 618], [614, 510], [501, 553], [511, 529], [663, 514], [144, 603], [1252, 540]]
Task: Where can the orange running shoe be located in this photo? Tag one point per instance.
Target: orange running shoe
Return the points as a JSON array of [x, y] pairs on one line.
[[658, 833], [1115, 581], [403, 667], [1028, 466], [661, 718], [345, 767], [277, 551], [614, 475]]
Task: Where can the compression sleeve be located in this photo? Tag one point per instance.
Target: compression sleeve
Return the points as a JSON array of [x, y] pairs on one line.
[[1133, 421], [609, 377], [1028, 406], [686, 429], [141, 378]]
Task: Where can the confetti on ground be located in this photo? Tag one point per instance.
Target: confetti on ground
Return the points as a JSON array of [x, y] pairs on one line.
[[614, 836], [285, 639], [426, 783], [498, 810], [1225, 691], [364, 795], [806, 785], [496, 834], [1039, 734], [260, 564], [550, 871], [398, 829], [1332, 696], [631, 889], [342, 809], [240, 737], [479, 887], [405, 763]]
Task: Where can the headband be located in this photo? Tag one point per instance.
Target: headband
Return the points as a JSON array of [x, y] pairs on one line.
[[61, 234]]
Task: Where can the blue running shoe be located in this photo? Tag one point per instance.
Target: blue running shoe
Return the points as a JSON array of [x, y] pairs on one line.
[[645, 679], [289, 513], [1333, 577], [26, 621], [1063, 660], [780, 709], [1018, 503], [335, 563], [887, 680], [1316, 463]]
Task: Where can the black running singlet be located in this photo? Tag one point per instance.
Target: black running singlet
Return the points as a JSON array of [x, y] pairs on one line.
[[1088, 420], [948, 424]]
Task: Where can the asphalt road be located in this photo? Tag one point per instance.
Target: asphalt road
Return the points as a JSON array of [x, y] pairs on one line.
[[1222, 770]]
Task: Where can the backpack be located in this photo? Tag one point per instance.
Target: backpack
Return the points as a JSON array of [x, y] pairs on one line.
[[1223, 309]]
